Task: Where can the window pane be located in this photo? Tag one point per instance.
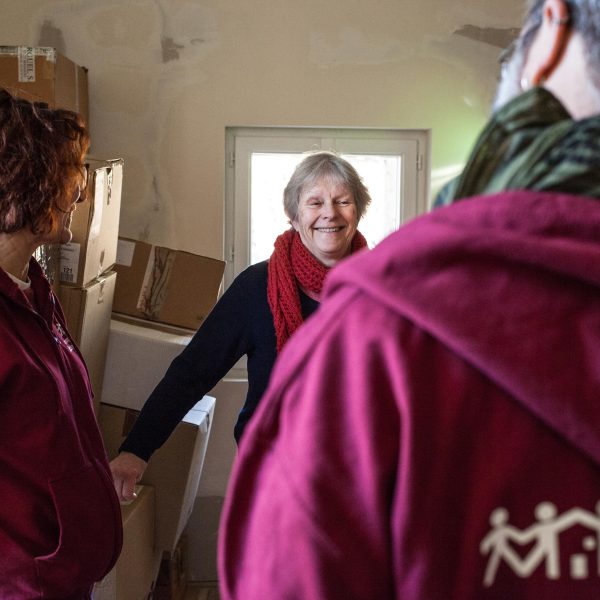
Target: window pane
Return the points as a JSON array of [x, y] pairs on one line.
[[270, 172], [381, 175]]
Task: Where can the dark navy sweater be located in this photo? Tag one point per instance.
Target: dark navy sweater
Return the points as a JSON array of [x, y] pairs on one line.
[[240, 324]]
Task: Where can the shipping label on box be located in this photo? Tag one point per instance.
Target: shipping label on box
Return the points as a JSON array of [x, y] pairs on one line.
[[69, 262], [26, 60], [95, 225], [165, 285]]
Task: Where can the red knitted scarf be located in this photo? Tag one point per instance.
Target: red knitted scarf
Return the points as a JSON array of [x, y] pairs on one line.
[[292, 266]]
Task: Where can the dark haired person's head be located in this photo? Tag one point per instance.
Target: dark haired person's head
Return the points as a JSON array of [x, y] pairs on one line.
[[42, 171]]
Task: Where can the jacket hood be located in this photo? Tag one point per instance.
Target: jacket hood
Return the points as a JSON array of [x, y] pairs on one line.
[[511, 284]]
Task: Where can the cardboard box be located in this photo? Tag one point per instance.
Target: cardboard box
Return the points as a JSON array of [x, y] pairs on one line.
[[202, 532], [95, 225], [155, 325], [87, 311], [174, 469], [165, 285], [136, 360], [44, 75], [133, 576], [172, 575]]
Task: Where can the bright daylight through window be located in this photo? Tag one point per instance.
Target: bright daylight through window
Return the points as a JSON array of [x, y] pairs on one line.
[[270, 173]]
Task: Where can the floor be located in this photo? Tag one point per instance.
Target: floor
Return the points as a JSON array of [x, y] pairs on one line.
[[202, 591]]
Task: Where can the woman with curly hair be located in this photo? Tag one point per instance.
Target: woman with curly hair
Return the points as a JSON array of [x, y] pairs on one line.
[[60, 523]]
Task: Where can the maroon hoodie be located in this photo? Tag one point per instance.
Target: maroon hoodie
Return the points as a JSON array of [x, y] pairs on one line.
[[60, 521], [433, 432]]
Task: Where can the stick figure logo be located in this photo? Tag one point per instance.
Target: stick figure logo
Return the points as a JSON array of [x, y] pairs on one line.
[[503, 539]]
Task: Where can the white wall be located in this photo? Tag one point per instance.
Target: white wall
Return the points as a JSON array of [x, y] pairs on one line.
[[167, 76]]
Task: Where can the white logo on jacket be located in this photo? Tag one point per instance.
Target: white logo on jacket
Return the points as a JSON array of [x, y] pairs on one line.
[[544, 534]]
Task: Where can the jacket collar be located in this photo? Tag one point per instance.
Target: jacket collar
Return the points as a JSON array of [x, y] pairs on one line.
[[40, 286]]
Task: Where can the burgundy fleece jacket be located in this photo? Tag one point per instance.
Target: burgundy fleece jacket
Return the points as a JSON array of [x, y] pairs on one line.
[[433, 431], [60, 521]]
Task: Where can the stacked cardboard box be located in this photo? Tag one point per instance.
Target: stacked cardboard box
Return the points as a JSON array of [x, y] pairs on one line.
[[171, 581], [133, 576], [41, 74], [44, 75], [165, 287], [173, 474], [136, 359], [93, 249], [88, 311], [87, 283], [174, 469]]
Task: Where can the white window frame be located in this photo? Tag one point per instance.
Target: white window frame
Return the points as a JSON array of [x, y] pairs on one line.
[[240, 142]]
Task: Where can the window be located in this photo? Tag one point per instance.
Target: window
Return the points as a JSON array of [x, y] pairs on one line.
[[261, 160]]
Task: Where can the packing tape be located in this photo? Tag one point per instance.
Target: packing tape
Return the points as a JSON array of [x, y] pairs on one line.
[[156, 281]]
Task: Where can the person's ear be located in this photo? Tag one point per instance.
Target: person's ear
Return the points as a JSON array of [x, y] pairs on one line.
[[548, 48]]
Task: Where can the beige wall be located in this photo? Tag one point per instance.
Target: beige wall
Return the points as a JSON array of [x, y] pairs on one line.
[[167, 77]]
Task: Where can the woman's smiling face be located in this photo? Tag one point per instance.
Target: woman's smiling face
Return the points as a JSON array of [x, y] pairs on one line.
[[326, 220]]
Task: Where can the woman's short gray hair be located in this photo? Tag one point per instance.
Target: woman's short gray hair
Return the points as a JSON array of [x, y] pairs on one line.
[[319, 165]]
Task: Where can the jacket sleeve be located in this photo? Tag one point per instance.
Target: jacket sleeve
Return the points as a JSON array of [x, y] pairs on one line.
[[309, 507]]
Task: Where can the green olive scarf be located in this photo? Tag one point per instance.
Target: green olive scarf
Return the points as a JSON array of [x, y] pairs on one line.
[[531, 143]]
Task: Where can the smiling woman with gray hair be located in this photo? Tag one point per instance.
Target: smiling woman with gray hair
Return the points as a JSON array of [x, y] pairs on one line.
[[324, 202]]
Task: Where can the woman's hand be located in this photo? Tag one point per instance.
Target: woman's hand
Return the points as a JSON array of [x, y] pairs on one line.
[[127, 469]]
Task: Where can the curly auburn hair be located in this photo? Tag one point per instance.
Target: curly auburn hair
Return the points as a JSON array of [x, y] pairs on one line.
[[41, 163]]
